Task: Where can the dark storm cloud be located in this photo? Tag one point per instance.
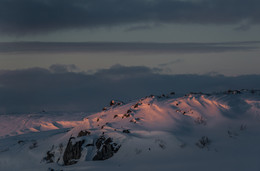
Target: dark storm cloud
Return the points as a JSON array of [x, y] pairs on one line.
[[35, 89], [19, 17], [100, 47]]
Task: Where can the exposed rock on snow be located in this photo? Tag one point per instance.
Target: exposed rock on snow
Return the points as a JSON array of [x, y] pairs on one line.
[[203, 142], [126, 131], [113, 104], [84, 133], [105, 148], [72, 152], [49, 157]]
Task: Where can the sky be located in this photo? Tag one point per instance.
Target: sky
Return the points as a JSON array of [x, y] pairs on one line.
[[48, 46]]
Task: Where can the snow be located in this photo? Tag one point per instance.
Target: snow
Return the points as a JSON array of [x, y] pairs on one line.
[[164, 135], [25, 123]]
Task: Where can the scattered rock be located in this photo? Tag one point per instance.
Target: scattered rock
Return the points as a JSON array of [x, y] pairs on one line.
[[151, 96], [181, 111], [83, 133], [112, 102], [133, 121], [126, 115], [126, 131], [232, 134], [161, 143], [162, 146], [136, 105], [233, 92], [243, 127], [49, 157], [172, 93], [203, 142], [21, 142]]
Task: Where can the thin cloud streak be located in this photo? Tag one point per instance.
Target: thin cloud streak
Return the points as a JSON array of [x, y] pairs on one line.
[[146, 47], [171, 63]]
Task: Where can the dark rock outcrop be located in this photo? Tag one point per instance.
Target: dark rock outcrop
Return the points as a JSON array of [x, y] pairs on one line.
[[233, 92], [49, 157], [83, 133], [21, 142], [112, 102], [105, 148], [126, 131], [172, 93], [72, 152]]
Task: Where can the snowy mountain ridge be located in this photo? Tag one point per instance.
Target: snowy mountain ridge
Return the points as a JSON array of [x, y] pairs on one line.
[[194, 132]]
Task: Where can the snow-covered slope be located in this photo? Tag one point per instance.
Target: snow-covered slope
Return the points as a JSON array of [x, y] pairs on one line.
[[195, 132], [11, 125]]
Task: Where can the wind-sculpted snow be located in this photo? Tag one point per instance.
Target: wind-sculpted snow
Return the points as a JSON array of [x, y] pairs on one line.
[[11, 125], [195, 132]]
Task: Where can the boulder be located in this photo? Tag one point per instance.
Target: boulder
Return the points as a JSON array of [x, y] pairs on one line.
[[105, 148], [72, 152]]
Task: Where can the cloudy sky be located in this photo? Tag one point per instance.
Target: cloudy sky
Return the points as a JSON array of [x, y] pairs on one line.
[[56, 54]]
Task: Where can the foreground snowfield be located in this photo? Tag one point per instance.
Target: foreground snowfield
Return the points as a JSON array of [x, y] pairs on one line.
[[214, 132]]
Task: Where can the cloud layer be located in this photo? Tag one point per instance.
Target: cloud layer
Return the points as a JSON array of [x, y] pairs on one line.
[[60, 89], [59, 47], [18, 17]]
